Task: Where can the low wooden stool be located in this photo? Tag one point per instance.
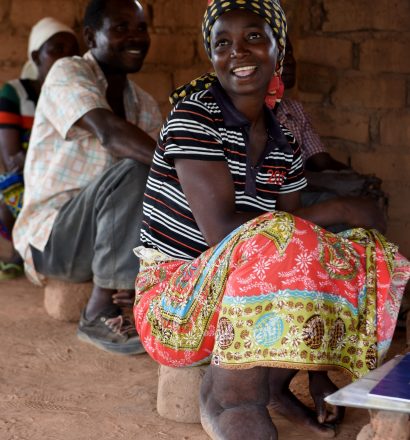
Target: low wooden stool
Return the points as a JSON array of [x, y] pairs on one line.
[[178, 393], [65, 301]]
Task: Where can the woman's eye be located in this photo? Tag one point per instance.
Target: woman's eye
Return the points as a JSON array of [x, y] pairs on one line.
[[221, 43], [120, 28], [254, 36]]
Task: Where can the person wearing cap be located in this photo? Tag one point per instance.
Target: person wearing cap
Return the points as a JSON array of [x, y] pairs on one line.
[[49, 41], [86, 168], [233, 271]]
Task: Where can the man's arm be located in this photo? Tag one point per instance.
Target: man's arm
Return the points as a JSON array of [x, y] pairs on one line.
[[122, 139], [324, 161]]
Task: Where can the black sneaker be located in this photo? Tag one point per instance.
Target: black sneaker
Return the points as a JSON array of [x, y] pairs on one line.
[[110, 332]]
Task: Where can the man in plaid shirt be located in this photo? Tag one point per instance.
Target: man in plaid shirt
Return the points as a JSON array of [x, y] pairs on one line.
[[91, 146]]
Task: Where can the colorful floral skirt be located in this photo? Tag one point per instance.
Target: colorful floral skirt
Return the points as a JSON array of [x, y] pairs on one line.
[[277, 292], [11, 193]]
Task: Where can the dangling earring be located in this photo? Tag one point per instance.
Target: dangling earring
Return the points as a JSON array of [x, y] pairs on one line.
[[275, 91]]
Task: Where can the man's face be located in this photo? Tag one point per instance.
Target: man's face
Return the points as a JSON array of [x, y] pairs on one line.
[[122, 42]]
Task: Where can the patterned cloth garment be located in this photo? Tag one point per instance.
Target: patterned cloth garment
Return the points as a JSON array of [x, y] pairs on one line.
[[278, 292], [62, 158], [290, 114]]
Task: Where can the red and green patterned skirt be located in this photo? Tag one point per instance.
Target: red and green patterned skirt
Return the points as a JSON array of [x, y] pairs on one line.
[[277, 292]]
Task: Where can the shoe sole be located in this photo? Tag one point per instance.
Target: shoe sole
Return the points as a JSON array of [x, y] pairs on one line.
[[112, 347]]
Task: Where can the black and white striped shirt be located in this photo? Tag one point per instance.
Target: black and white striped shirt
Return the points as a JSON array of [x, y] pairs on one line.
[[206, 126]]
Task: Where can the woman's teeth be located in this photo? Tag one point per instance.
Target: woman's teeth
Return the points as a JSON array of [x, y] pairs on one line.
[[244, 71]]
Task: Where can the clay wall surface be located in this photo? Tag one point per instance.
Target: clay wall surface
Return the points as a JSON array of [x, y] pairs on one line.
[[353, 76]]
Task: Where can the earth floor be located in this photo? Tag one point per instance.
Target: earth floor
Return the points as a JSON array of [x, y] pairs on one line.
[[54, 387]]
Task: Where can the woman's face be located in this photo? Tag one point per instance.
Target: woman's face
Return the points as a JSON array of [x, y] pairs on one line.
[[60, 45], [243, 52]]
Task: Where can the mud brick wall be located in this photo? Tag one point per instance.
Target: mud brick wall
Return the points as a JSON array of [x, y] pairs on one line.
[[353, 76]]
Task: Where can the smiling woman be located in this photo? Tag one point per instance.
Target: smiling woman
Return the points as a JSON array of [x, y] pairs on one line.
[[231, 274]]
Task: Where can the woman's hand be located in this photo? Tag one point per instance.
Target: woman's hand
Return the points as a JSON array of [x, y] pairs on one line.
[[16, 162]]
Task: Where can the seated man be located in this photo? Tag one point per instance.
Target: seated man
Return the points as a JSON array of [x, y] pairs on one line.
[[86, 168], [322, 186]]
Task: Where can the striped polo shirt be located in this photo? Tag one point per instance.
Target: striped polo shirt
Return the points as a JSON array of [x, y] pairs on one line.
[[207, 126]]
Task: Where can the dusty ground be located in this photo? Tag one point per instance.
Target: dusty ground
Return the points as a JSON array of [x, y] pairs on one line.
[[54, 387]]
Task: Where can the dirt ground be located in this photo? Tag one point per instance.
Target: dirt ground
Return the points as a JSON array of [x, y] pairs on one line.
[[54, 387]]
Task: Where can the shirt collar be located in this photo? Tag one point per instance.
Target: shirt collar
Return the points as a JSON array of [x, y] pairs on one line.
[[234, 118], [96, 69], [130, 95]]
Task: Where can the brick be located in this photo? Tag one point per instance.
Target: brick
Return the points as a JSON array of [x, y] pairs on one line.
[[356, 90], [332, 52], [65, 301], [13, 49], [315, 79], [343, 124], [347, 15], [7, 72], [182, 76], [177, 14], [306, 97], [397, 209], [178, 393], [203, 56], [171, 50], [5, 6], [386, 165], [158, 84], [395, 129], [397, 233], [384, 56], [28, 12], [165, 108]]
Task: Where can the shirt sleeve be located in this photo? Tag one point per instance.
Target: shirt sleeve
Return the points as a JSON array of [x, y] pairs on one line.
[[150, 118], [10, 116], [190, 133], [295, 178], [69, 92], [311, 142]]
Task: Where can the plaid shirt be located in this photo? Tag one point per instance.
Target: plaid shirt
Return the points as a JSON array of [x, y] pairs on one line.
[[62, 158], [290, 113]]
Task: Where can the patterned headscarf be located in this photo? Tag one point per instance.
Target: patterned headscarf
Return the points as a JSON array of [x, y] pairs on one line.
[[270, 11]]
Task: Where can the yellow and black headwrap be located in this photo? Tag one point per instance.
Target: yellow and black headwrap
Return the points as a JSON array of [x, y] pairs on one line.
[[269, 10]]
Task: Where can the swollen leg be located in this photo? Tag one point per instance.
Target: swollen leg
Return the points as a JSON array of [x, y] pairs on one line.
[[233, 404]]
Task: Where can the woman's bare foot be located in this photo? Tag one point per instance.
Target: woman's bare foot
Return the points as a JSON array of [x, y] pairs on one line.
[[233, 404], [283, 401]]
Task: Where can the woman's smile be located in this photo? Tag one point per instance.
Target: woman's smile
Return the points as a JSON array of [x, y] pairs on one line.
[[244, 72]]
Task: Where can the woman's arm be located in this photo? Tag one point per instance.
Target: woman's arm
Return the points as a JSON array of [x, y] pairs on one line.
[[210, 192], [11, 150]]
